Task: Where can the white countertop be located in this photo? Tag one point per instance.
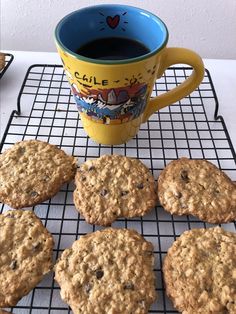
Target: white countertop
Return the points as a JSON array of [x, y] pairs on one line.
[[223, 73]]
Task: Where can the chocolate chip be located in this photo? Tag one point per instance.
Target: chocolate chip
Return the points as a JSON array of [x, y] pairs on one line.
[[87, 287], [184, 176], [21, 150], [178, 194], [13, 265], [140, 186], [91, 168], [45, 178], [99, 273], [123, 193], [103, 192], [129, 286], [83, 179], [33, 194]]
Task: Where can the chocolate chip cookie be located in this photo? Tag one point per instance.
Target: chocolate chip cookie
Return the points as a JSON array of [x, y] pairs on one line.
[[200, 272], [25, 254], [32, 172], [199, 188], [108, 271], [113, 186]]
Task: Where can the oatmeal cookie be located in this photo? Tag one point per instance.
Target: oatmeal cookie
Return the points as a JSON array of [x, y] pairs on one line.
[[108, 271], [113, 186], [199, 188], [32, 172], [25, 254], [200, 272]]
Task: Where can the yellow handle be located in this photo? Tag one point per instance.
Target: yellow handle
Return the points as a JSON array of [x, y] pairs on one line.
[[173, 56]]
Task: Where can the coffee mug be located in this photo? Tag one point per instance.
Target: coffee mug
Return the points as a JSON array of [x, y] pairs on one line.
[[113, 93]]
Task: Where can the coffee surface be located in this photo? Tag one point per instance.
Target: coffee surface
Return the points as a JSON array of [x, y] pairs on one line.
[[113, 48]]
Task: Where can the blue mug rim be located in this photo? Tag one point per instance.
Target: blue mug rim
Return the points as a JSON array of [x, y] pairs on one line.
[[113, 62]]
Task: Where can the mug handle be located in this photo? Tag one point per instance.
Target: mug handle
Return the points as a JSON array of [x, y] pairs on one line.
[[173, 56]]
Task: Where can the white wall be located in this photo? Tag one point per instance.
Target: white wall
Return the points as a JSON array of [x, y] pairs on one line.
[[206, 26]]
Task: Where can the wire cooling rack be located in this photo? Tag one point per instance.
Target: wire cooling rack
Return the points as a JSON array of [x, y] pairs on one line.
[[190, 128], [8, 60]]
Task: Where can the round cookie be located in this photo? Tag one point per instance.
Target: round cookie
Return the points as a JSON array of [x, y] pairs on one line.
[[113, 186], [200, 272], [199, 188], [108, 271], [25, 254], [32, 172]]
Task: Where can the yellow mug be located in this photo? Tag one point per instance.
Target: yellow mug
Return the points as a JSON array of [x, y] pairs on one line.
[[112, 92]]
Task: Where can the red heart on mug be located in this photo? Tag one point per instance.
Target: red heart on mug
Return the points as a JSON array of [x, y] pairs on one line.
[[113, 22]]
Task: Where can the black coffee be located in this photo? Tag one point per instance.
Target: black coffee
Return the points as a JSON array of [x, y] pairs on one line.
[[110, 48]]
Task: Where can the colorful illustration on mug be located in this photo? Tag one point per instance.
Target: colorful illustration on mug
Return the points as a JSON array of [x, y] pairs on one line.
[[113, 21], [112, 105]]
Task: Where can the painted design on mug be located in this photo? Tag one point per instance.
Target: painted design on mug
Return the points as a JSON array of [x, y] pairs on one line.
[[112, 105], [113, 21]]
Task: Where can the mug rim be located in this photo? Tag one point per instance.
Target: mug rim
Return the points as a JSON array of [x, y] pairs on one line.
[[110, 62]]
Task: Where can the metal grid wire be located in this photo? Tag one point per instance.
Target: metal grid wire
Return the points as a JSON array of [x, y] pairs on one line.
[[46, 111], [8, 60]]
